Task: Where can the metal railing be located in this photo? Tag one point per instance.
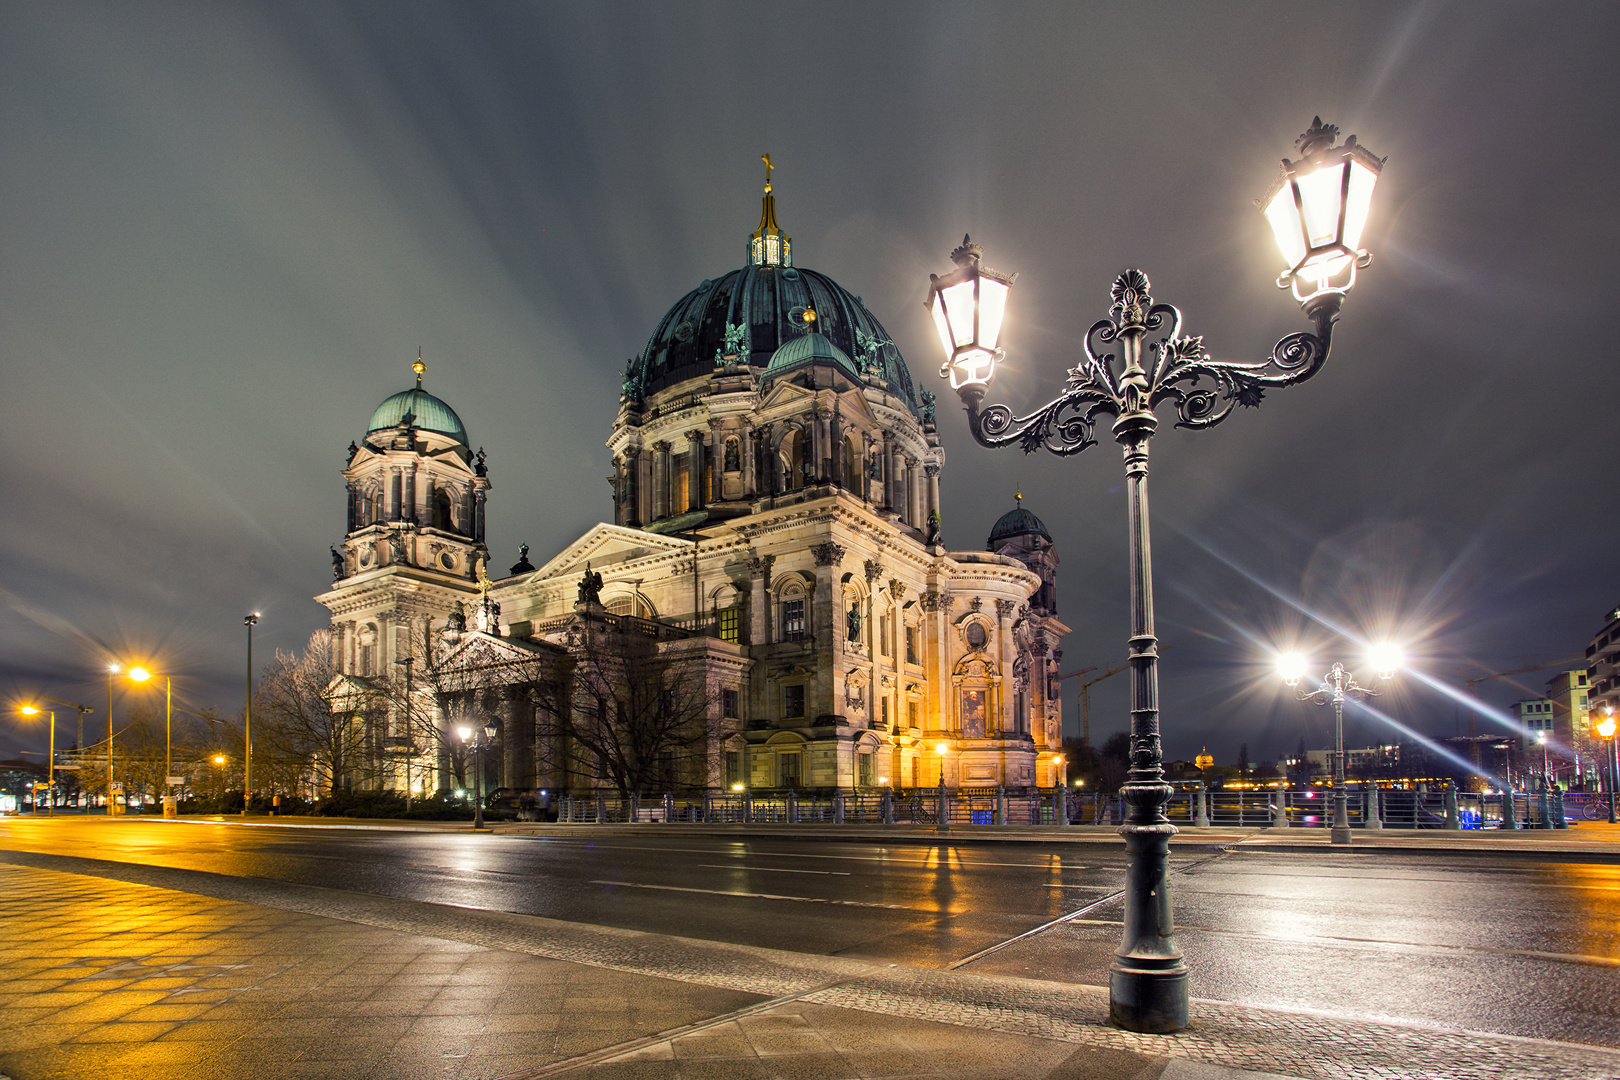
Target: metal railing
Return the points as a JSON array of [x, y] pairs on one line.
[[1369, 808]]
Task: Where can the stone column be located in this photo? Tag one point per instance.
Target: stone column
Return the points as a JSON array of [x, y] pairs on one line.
[[1004, 613], [932, 472], [824, 452], [759, 614], [661, 480], [897, 480], [478, 513], [886, 500], [413, 497], [694, 468], [829, 622]]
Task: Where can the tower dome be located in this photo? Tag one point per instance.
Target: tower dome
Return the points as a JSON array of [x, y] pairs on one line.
[[1015, 523], [746, 316], [425, 412]]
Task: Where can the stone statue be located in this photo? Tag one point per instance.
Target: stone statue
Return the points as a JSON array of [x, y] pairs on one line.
[[339, 570], [853, 622], [732, 464], [458, 618], [933, 536], [396, 545], [590, 587]]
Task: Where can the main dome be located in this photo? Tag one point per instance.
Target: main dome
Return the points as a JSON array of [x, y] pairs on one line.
[[427, 413], [767, 303]]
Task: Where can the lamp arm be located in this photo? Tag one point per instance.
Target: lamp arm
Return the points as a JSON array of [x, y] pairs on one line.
[[1181, 366], [1316, 697], [1065, 425]]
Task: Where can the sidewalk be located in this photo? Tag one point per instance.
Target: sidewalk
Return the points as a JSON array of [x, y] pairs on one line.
[[103, 977]]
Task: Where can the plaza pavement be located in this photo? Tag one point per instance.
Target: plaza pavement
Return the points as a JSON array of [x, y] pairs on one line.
[[242, 979]]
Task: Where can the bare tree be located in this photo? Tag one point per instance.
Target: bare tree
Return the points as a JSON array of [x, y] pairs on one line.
[[637, 713], [309, 711]]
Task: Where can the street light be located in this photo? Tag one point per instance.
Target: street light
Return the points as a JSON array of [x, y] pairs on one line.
[[112, 669], [140, 674], [248, 621], [1148, 980], [1336, 684], [32, 709], [468, 735], [1605, 728]]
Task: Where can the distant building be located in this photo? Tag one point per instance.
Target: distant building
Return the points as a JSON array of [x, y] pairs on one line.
[[1366, 759], [1571, 739], [1603, 664], [1536, 717]]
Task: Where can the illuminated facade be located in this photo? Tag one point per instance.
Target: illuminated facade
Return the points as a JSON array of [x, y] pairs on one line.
[[776, 494]]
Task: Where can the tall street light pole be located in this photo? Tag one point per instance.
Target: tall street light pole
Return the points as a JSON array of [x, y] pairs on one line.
[[471, 735], [1317, 210], [410, 733], [1338, 684], [50, 773], [247, 718], [112, 669]]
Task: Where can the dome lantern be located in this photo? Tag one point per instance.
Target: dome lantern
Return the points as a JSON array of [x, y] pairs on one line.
[[769, 246]]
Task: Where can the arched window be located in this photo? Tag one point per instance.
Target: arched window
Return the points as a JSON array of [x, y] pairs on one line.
[[852, 464], [791, 453], [443, 516], [375, 498]]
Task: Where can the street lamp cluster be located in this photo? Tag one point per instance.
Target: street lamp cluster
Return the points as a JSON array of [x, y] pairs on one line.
[[140, 674], [1132, 362]]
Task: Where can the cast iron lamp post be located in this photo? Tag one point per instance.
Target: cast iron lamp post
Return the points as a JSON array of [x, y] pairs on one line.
[[1338, 684], [1606, 729], [248, 621], [1317, 210], [469, 735]]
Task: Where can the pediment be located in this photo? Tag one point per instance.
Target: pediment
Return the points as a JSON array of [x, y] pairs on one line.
[[480, 650], [605, 546], [786, 394]]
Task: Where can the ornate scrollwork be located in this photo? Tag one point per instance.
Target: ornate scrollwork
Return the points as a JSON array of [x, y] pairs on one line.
[[1176, 369]]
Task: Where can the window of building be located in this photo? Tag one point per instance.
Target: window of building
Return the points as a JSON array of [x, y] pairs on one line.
[[911, 713], [734, 768], [864, 769], [912, 655], [730, 702], [793, 701], [793, 620], [973, 714], [731, 624], [666, 702], [682, 487], [789, 766], [885, 712]]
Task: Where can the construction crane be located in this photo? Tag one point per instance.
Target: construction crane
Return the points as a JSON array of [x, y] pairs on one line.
[[1085, 692], [1472, 682]]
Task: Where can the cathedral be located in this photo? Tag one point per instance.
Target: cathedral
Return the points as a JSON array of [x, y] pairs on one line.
[[775, 533]]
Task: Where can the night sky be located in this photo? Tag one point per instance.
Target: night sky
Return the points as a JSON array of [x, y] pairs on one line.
[[226, 230]]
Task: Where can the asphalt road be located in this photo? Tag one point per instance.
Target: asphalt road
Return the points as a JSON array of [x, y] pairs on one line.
[[1480, 942]]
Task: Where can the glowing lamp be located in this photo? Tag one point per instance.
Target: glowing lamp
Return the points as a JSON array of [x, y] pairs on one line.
[[139, 674], [1605, 727], [219, 759], [1291, 666], [1318, 209], [29, 710], [736, 787], [942, 748], [968, 305], [489, 731], [464, 732], [1386, 658]]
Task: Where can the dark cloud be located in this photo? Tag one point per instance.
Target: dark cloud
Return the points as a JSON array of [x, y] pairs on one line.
[[226, 230]]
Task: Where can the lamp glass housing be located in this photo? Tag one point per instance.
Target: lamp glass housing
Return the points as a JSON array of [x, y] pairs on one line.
[[968, 309], [489, 731], [1319, 214]]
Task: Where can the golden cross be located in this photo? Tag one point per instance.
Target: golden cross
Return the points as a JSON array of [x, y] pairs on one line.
[[483, 580], [766, 158]]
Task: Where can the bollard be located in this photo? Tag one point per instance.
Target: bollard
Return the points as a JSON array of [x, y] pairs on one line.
[[601, 808], [942, 811], [1543, 808], [1001, 805], [888, 806], [792, 807], [1060, 807], [1452, 819], [1279, 811], [838, 807], [1373, 795], [1559, 822], [1202, 798], [1510, 819], [669, 808], [748, 808]]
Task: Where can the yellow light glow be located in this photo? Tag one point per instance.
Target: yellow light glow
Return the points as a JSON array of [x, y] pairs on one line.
[[1606, 728], [942, 749], [1057, 759], [139, 674], [219, 759], [883, 779], [736, 787], [29, 710], [114, 668]]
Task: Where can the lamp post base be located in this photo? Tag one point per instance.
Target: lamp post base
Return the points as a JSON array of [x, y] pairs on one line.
[[1341, 834], [1149, 1000], [1147, 983]]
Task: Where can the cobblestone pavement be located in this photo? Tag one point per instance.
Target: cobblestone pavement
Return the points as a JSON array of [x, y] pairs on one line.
[[105, 976]]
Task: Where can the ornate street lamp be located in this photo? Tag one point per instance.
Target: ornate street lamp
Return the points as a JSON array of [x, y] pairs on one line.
[[1148, 983], [1606, 729], [470, 735], [1338, 684]]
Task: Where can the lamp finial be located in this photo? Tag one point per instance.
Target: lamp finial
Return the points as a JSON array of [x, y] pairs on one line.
[[419, 368]]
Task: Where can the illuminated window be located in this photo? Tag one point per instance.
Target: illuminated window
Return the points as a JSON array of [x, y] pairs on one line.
[[731, 625], [865, 772]]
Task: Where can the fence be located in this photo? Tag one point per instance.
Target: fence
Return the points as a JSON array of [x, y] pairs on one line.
[[1368, 808]]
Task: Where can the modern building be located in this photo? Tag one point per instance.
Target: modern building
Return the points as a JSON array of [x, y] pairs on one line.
[[776, 521], [1571, 738], [1603, 665]]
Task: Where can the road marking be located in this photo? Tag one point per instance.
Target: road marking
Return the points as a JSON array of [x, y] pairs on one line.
[[920, 861], [764, 896], [771, 869]]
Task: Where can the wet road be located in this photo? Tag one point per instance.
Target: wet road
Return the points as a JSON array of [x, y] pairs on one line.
[[1481, 942]]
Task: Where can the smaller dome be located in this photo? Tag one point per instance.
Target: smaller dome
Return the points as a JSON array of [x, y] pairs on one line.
[[426, 412], [811, 348], [1018, 522]]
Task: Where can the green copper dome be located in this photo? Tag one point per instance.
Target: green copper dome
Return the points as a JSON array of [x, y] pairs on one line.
[[425, 411], [1017, 522], [807, 349]]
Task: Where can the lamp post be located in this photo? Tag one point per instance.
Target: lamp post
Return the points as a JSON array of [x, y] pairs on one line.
[[1606, 728], [1337, 684], [470, 735], [1317, 211], [112, 669], [32, 709], [250, 621], [410, 734], [219, 759], [140, 675]]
